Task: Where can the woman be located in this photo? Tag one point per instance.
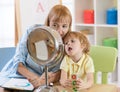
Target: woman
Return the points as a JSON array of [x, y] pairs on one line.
[[21, 65]]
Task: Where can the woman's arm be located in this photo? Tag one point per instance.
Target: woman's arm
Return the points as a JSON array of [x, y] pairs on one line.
[[25, 72], [34, 79]]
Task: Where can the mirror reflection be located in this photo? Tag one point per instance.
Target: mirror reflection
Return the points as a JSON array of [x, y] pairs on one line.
[[41, 44]]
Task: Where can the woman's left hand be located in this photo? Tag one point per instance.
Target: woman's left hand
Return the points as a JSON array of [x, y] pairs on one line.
[[50, 74]]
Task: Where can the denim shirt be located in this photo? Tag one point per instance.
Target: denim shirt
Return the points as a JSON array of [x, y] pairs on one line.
[[22, 55]]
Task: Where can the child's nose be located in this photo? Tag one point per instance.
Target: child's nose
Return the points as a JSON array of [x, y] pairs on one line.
[[69, 43]]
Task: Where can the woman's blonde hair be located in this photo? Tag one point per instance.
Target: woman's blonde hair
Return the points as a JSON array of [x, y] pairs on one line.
[[82, 38], [60, 13]]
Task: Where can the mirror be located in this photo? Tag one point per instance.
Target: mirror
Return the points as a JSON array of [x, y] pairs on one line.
[[45, 47]]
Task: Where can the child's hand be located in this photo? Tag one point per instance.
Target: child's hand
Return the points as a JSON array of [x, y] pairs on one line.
[[66, 83], [80, 84]]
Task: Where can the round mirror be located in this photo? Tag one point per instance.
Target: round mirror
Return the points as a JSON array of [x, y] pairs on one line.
[[45, 45]]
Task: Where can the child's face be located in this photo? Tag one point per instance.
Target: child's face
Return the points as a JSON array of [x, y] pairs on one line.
[[73, 47], [62, 27]]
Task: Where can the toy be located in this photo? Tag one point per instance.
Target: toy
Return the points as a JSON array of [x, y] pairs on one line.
[[74, 78]]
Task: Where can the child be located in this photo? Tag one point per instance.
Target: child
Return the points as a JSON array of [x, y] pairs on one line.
[[77, 62]]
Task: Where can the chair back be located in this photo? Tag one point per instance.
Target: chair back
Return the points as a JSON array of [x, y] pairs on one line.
[[6, 54], [104, 59]]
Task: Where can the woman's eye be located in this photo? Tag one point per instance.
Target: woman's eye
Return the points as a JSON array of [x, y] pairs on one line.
[[54, 25], [65, 26]]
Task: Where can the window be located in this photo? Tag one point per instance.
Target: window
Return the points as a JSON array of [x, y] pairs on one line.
[[7, 23]]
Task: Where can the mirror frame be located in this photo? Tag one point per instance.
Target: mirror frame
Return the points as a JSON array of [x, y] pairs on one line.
[[58, 54]]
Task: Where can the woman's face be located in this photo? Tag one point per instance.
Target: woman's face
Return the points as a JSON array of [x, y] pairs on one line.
[[62, 27]]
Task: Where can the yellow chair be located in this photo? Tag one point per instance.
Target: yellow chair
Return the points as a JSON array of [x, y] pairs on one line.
[[104, 59]]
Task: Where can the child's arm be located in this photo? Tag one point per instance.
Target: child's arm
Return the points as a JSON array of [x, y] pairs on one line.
[[83, 85], [63, 79]]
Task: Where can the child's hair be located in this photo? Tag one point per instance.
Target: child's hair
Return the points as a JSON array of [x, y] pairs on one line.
[[82, 38], [60, 13]]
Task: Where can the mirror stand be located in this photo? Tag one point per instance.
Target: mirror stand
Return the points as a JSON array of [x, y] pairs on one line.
[[46, 87], [46, 48]]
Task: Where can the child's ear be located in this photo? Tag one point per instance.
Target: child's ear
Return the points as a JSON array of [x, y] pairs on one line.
[[83, 46]]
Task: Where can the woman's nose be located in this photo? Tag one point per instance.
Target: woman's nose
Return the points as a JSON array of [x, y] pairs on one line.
[[60, 31]]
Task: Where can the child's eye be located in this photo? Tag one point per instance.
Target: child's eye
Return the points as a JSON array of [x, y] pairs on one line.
[[66, 43], [72, 41]]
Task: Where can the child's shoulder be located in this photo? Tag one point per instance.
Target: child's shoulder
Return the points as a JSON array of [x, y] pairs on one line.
[[88, 57], [67, 59]]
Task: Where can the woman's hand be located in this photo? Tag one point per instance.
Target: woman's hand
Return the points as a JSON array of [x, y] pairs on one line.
[[50, 74], [36, 81], [53, 76]]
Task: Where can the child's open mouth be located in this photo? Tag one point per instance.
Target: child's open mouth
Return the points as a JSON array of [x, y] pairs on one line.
[[69, 49]]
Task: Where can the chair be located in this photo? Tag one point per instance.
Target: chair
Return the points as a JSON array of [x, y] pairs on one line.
[[6, 54], [104, 59]]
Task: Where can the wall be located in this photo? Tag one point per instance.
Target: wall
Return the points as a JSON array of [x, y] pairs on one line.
[[34, 12]]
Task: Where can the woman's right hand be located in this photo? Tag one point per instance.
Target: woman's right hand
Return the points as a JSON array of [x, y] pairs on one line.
[[36, 81]]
